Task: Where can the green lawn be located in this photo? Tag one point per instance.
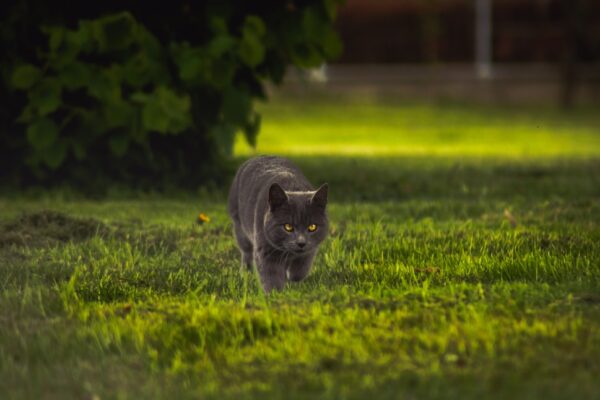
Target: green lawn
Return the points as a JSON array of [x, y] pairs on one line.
[[463, 262], [371, 127]]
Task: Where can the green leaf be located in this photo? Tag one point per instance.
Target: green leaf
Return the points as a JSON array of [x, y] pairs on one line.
[[252, 49], [42, 133], [65, 53], [221, 45], [148, 43], [331, 8], [56, 34], [218, 25], [166, 112], [313, 24], [152, 118], [140, 97], [147, 66], [236, 106], [75, 75], [104, 86], [192, 63], [118, 113], [319, 34], [25, 76], [331, 44], [224, 135], [306, 56], [84, 38], [46, 96], [252, 128], [55, 154], [115, 32], [254, 25]]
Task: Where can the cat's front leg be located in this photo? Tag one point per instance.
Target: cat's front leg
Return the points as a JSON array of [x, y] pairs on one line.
[[299, 267], [271, 272], [245, 246]]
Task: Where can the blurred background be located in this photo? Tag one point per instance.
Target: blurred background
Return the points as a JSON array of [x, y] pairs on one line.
[[177, 94], [502, 51], [460, 79]]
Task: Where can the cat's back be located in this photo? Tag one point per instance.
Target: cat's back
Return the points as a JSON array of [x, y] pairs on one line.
[[266, 170], [255, 176]]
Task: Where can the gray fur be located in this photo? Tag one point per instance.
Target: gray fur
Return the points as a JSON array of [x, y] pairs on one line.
[[266, 193]]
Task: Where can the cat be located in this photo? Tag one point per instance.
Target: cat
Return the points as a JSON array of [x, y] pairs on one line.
[[279, 220]]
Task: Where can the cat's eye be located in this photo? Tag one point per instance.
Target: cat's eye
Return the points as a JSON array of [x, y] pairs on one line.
[[288, 227], [312, 228]]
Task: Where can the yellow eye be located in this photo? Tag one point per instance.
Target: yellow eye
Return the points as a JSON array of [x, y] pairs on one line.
[[288, 227], [312, 228]]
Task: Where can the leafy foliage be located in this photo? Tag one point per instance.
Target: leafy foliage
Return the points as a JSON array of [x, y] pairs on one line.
[[116, 90]]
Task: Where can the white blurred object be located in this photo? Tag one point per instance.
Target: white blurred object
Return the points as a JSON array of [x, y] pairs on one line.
[[318, 75], [483, 38]]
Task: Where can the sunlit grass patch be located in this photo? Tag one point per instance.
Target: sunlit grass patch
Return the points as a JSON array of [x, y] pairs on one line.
[[368, 127]]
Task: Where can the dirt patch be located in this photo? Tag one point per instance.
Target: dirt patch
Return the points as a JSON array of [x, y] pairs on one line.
[[48, 228]]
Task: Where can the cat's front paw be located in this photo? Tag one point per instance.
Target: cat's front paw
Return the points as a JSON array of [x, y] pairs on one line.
[[247, 262], [268, 287], [272, 277]]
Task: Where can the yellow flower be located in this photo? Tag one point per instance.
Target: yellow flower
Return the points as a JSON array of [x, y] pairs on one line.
[[202, 218]]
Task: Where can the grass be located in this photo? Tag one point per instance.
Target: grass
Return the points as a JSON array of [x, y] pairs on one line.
[[375, 127], [458, 266]]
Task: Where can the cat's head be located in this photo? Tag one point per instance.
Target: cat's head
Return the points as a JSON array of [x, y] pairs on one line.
[[296, 221]]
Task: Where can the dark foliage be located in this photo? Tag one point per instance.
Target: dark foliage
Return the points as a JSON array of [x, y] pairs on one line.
[[144, 91]]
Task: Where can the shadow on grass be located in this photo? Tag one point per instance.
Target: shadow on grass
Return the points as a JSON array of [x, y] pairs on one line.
[[399, 178], [48, 228], [373, 179]]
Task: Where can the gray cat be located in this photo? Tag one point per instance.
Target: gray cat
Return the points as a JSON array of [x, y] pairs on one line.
[[279, 220]]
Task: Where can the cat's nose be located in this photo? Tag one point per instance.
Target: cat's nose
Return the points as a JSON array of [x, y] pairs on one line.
[[301, 244]]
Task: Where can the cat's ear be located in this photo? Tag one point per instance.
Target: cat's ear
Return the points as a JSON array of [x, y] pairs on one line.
[[277, 196], [320, 197]]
